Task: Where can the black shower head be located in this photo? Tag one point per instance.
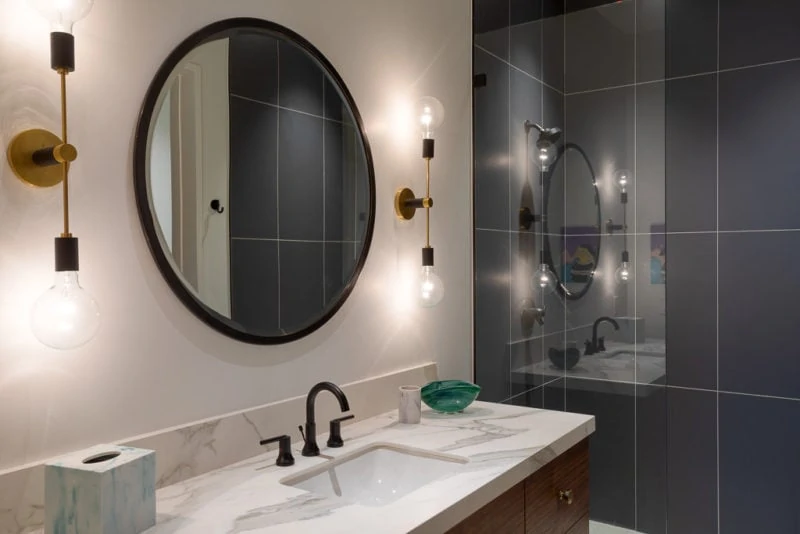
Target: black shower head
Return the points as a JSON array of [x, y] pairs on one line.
[[546, 135]]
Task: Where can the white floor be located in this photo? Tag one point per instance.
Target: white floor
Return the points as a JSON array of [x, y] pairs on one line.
[[602, 528]]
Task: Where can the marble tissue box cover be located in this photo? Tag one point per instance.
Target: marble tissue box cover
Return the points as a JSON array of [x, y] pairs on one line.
[[106, 489]]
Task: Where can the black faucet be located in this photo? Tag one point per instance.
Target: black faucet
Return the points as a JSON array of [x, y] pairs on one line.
[[598, 345], [311, 448]]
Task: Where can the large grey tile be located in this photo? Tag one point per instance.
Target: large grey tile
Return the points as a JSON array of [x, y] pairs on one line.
[[650, 294], [770, 28], [691, 154], [523, 11], [490, 22], [526, 105], [651, 161], [340, 176], [651, 459], [692, 310], [692, 461], [335, 107], [340, 263], [301, 284], [757, 313], [676, 38], [602, 125], [526, 47], [491, 315], [759, 465], [300, 176], [253, 188], [254, 286], [491, 144], [553, 45], [253, 69], [547, 397], [612, 449], [758, 136], [600, 47], [301, 80]]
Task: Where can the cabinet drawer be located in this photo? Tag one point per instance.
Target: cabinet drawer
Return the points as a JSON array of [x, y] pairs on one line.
[[557, 496]]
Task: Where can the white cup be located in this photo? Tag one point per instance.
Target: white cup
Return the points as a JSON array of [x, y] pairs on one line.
[[410, 405]]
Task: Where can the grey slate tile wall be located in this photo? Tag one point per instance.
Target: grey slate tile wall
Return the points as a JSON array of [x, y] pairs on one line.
[[699, 98]]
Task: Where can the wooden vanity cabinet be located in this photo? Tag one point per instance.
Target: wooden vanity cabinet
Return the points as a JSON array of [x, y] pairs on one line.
[[554, 500]]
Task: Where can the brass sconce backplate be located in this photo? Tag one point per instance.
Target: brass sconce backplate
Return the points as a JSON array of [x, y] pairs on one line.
[[20, 153], [402, 207]]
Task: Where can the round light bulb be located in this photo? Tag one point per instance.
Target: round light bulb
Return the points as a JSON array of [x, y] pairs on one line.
[[544, 280], [623, 274], [431, 288], [65, 316], [545, 155], [62, 14], [430, 113], [623, 179]]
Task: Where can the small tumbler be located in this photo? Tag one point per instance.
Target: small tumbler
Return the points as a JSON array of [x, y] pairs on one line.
[[410, 407]]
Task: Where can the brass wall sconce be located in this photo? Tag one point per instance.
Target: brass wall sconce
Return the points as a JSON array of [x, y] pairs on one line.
[[65, 316], [406, 204]]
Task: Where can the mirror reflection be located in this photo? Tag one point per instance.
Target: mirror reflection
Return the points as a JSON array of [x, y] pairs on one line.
[[573, 235], [259, 183]]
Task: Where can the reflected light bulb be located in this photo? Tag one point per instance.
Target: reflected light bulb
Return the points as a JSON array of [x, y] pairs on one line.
[[544, 280], [623, 274], [431, 289], [65, 316], [623, 179], [546, 154], [431, 115], [62, 14]]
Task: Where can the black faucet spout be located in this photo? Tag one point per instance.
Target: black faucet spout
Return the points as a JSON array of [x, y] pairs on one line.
[[593, 347], [311, 448]]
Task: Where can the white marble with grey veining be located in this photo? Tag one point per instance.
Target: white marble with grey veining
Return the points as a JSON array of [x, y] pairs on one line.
[[503, 445], [196, 448]]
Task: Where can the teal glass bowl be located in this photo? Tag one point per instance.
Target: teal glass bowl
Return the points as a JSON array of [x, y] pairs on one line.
[[449, 396]]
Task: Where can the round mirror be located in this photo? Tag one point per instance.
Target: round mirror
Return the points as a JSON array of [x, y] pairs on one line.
[[254, 181], [572, 242]]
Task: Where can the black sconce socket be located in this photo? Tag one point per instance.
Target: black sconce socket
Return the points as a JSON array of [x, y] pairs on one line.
[[527, 218], [623, 197], [625, 256], [427, 257], [66, 254], [62, 52], [427, 148]]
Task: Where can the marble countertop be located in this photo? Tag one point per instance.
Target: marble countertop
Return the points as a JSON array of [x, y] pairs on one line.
[[503, 445], [616, 364]]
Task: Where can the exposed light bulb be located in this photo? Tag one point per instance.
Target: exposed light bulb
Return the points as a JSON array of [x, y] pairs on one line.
[[62, 14], [544, 280], [623, 179], [431, 289], [65, 316], [546, 154], [430, 112], [623, 274]]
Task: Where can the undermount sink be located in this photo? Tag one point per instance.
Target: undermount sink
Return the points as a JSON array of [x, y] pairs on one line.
[[376, 475]]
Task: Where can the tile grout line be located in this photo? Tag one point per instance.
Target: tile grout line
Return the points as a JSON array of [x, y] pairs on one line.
[[635, 278], [278, 180], [719, 513], [514, 67], [545, 384], [564, 111], [683, 76], [508, 198], [284, 108], [639, 234], [324, 195]]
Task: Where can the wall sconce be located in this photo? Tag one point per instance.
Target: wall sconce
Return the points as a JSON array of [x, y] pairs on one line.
[[406, 204], [65, 316], [622, 179]]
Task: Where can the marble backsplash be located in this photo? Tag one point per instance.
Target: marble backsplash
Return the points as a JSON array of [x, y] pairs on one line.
[[192, 450]]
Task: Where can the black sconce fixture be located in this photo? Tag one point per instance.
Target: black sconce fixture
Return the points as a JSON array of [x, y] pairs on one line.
[[65, 316], [546, 144], [622, 179], [406, 204]]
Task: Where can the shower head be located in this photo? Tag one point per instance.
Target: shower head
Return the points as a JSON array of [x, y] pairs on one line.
[[545, 144], [548, 135]]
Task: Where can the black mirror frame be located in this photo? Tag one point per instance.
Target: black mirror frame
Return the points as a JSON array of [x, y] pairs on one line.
[[548, 255], [146, 217]]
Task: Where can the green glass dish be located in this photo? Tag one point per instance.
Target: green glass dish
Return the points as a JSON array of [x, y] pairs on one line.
[[449, 396]]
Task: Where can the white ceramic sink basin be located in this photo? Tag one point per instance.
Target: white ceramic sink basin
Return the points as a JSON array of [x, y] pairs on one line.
[[376, 475]]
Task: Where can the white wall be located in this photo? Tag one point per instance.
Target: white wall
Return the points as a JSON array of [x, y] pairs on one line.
[[153, 364]]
